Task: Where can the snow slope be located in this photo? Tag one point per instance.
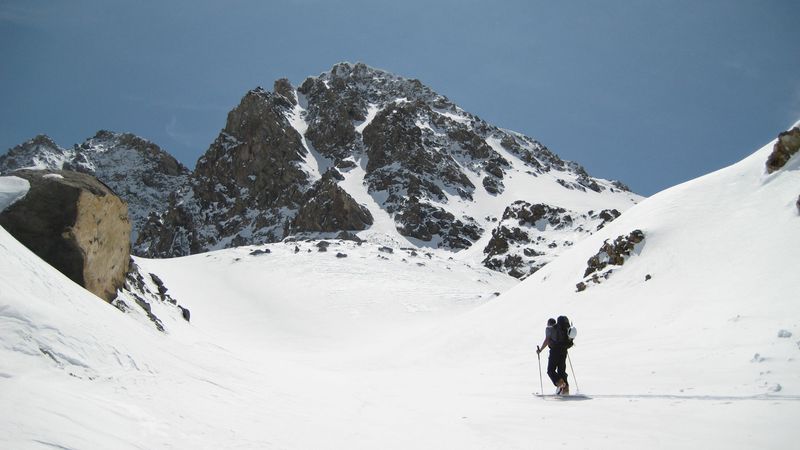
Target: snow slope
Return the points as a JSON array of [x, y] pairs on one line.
[[303, 349]]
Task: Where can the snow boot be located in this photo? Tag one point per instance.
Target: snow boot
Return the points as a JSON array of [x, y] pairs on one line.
[[560, 385], [565, 390]]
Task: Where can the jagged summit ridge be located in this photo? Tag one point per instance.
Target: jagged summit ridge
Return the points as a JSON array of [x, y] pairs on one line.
[[373, 152], [137, 170]]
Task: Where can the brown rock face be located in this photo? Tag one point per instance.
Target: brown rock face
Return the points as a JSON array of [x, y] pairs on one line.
[[77, 225], [788, 144], [329, 208]]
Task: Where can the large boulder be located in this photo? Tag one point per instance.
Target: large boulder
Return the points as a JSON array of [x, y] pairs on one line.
[[76, 224]]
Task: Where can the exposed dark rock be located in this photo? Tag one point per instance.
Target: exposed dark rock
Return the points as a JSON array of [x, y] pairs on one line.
[[138, 292], [348, 236], [341, 255], [345, 164], [171, 233], [528, 232], [245, 188], [611, 254], [284, 88], [162, 289], [329, 208], [76, 224], [331, 112], [493, 185], [322, 246], [614, 253], [185, 313], [424, 221], [621, 186], [607, 215], [259, 251], [787, 145], [386, 250]]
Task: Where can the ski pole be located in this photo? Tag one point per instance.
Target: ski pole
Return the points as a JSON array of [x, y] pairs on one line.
[[541, 386], [577, 389]]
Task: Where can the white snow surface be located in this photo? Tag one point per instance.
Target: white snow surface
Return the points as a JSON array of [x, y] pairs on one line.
[[298, 349], [12, 189]]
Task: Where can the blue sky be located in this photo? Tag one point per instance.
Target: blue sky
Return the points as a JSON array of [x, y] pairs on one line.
[[652, 93]]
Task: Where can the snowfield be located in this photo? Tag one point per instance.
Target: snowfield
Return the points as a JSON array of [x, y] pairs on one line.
[[300, 349]]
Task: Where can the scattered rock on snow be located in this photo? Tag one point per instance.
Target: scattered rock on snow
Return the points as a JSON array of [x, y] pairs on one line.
[[139, 292], [341, 255], [185, 313]]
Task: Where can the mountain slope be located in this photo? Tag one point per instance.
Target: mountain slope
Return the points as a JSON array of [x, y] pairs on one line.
[[406, 349], [356, 150], [414, 168], [702, 307]]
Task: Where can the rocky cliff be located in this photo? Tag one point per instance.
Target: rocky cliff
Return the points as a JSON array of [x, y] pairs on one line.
[[354, 149]]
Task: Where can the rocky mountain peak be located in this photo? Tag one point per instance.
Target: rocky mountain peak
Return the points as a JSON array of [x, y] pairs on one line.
[[42, 140], [136, 169], [41, 152], [105, 141], [360, 150]]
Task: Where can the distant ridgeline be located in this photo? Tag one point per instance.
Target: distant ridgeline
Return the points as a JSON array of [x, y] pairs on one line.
[[351, 150]]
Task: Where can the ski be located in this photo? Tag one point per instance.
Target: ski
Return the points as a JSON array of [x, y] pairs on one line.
[[574, 397]]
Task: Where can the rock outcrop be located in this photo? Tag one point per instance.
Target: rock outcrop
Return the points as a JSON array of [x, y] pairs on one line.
[[145, 296], [329, 208], [787, 145], [610, 254], [76, 224], [531, 235]]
